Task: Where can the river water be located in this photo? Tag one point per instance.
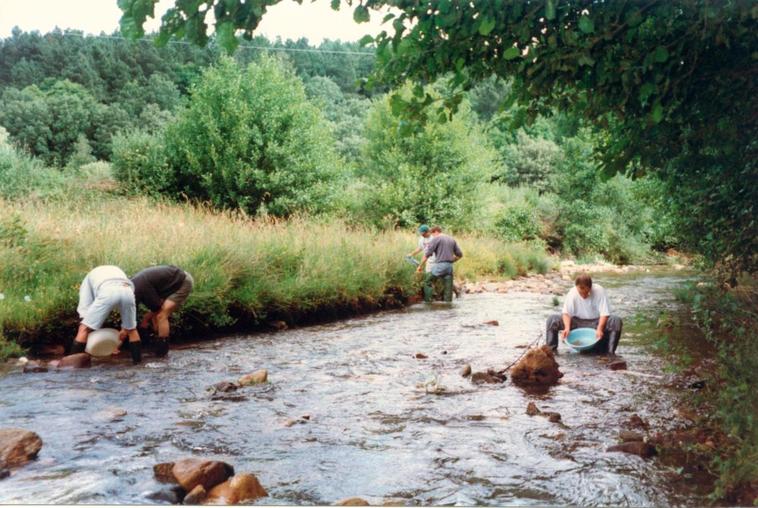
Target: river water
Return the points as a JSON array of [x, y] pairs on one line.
[[383, 424]]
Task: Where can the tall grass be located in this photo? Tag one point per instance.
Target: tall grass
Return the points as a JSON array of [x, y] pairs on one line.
[[245, 271]]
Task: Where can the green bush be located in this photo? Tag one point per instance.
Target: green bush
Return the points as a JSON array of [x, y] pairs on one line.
[[22, 176], [249, 139], [518, 221], [432, 175], [140, 163]]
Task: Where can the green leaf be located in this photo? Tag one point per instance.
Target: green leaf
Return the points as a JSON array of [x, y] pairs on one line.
[[586, 25], [661, 54], [361, 15], [225, 35], [550, 9], [486, 25], [366, 40], [336, 5], [646, 91], [511, 53], [657, 114]]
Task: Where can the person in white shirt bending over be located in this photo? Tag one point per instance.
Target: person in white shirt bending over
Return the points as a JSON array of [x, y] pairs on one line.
[[586, 306]]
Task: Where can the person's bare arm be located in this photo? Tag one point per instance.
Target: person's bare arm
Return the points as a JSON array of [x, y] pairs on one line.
[[566, 326], [601, 326]]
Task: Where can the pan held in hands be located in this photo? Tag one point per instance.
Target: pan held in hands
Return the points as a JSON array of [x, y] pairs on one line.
[[102, 342]]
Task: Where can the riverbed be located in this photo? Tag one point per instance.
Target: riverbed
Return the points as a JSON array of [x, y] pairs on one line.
[[381, 424]]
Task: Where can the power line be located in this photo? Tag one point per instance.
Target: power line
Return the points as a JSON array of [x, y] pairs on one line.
[[246, 46]]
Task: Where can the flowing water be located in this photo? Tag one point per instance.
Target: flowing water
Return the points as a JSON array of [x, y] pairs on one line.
[[383, 424]]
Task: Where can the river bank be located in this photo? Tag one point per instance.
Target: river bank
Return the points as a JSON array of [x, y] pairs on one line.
[[248, 272]]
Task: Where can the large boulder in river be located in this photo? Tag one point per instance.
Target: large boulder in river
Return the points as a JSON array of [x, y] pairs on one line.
[[240, 488], [538, 367], [191, 472], [18, 446]]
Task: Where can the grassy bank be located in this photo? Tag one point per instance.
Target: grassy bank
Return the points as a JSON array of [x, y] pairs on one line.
[[727, 405], [246, 271]]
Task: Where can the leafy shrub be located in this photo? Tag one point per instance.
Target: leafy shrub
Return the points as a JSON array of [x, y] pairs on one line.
[[249, 139], [140, 162], [22, 176], [429, 176], [518, 221]]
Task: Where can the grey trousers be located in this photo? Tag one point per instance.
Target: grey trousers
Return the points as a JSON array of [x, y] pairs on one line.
[[614, 324]]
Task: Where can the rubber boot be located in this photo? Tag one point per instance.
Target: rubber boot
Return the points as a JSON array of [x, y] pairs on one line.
[[428, 287], [77, 347], [551, 339], [161, 347], [448, 288], [135, 348], [613, 342]]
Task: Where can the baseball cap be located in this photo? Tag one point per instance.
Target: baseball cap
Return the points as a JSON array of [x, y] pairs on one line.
[[423, 228]]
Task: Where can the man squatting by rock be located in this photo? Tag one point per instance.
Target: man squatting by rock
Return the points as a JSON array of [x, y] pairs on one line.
[[163, 289], [586, 306], [104, 288]]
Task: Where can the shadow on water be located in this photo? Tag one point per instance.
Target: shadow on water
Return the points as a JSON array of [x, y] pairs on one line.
[[375, 429]]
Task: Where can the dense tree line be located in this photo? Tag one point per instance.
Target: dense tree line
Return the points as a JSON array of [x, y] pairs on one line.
[[60, 86]]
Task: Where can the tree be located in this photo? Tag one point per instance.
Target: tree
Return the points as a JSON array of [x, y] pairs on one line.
[[249, 139], [673, 81], [431, 176]]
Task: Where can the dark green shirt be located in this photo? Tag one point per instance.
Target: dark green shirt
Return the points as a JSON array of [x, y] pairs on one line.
[[152, 285]]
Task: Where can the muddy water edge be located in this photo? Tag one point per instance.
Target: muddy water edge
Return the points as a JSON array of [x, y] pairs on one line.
[[381, 423]]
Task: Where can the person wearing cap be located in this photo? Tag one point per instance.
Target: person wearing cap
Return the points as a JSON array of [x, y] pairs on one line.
[[103, 289], [586, 306], [163, 289], [445, 251], [423, 240]]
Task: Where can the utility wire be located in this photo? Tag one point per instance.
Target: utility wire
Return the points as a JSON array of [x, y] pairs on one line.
[[246, 46]]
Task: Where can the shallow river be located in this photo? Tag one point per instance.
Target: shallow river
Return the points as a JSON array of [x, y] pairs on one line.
[[383, 425]]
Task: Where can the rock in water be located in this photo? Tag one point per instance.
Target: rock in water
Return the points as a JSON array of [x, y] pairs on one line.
[[197, 496], [644, 450], [192, 472], [75, 361], [630, 435], [240, 488], [537, 367], [164, 472], [257, 377], [34, 366], [18, 446], [466, 370], [223, 387], [532, 409], [352, 501]]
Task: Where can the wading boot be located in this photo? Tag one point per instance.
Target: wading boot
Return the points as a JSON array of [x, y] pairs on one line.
[[135, 348], [613, 342], [161, 347], [77, 347], [428, 287], [551, 339], [448, 288]]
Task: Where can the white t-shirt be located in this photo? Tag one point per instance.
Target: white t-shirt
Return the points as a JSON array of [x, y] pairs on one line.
[[422, 243], [592, 307]]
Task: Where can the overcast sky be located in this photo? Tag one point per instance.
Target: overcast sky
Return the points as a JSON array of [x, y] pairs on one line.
[[288, 20]]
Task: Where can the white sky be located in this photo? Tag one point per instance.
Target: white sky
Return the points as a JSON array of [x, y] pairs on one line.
[[288, 20]]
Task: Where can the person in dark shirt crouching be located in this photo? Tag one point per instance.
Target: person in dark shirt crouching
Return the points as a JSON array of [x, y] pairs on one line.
[[163, 289]]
